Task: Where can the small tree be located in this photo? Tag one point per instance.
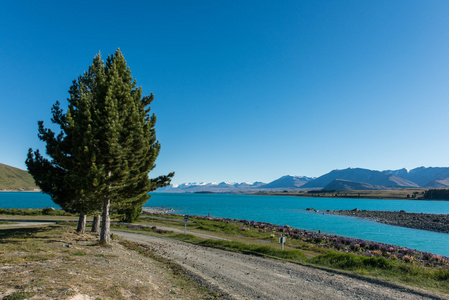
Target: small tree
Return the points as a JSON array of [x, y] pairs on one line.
[[125, 142]]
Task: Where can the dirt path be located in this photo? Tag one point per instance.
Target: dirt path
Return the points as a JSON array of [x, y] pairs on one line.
[[249, 277]]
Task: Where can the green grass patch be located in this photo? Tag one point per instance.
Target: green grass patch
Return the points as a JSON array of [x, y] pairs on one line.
[[352, 262], [385, 269], [34, 212], [240, 247]]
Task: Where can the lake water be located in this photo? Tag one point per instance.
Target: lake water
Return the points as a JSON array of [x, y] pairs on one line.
[[285, 210]]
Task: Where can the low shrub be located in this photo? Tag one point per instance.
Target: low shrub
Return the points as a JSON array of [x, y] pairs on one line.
[[346, 261]]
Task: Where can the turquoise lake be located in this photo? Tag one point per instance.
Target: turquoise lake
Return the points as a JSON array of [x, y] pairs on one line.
[[285, 210]]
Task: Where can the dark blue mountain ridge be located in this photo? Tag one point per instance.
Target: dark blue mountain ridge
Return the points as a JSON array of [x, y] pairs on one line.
[[286, 182], [422, 176], [380, 178], [438, 184]]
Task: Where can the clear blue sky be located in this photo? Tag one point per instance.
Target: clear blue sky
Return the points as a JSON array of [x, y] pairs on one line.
[[245, 90]]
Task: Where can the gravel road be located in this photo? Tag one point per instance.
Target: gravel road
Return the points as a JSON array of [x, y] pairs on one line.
[[240, 276]]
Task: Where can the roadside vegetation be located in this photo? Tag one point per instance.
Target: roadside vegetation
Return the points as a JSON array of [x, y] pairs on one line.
[[34, 212]]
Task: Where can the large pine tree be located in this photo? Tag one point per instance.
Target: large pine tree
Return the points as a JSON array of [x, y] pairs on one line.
[[107, 145]]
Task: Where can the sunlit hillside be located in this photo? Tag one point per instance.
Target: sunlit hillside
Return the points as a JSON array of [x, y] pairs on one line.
[[15, 179]]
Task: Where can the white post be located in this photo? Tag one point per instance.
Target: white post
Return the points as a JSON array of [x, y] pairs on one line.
[[282, 241]]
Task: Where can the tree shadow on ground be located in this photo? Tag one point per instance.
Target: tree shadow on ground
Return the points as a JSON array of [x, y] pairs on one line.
[[9, 235]]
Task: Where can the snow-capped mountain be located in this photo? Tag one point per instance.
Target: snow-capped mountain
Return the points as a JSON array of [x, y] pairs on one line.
[[287, 182], [222, 187], [350, 178]]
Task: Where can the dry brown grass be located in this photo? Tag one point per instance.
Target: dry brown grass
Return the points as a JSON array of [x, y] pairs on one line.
[[53, 262]]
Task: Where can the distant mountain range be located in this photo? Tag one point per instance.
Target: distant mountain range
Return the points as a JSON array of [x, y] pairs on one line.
[[347, 179]]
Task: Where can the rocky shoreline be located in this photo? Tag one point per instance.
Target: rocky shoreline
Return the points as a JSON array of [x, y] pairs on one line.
[[430, 222], [157, 210]]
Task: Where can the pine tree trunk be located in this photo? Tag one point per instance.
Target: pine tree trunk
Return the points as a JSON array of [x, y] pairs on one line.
[[81, 224], [96, 224], [105, 235]]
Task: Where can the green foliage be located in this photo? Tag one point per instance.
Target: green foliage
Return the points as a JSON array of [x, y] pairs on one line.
[[33, 212], [346, 261], [225, 227], [295, 255], [441, 275], [406, 272], [437, 194], [216, 226], [129, 214]]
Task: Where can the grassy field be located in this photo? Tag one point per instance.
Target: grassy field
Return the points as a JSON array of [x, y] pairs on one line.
[[53, 262]]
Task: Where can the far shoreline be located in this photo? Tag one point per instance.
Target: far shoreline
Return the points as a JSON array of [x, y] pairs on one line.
[[399, 194], [22, 191]]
